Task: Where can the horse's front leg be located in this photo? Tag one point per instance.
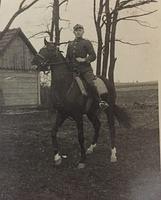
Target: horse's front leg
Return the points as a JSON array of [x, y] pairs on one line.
[[60, 118], [79, 122]]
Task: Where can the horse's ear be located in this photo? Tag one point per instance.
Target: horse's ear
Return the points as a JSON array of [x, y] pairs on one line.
[[45, 41]]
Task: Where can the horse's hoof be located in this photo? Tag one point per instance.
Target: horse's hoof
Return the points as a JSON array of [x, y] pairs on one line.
[[58, 162], [91, 149], [113, 159], [81, 165], [57, 159], [113, 155], [64, 156]]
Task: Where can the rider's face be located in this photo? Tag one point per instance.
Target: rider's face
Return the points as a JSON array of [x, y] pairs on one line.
[[79, 33]]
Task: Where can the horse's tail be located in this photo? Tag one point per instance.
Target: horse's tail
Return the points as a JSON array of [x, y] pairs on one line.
[[122, 116], [120, 113]]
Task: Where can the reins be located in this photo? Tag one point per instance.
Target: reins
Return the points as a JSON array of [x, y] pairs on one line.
[[46, 62]]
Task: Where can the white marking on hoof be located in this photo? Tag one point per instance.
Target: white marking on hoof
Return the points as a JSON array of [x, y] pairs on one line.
[[81, 165], [113, 155], [57, 159], [90, 149], [64, 156]]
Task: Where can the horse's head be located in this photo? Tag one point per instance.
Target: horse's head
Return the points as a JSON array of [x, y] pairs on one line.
[[47, 56]]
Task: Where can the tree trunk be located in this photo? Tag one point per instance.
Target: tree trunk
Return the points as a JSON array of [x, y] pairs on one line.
[[99, 51], [8, 25], [112, 54], [52, 23], [57, 17], [106, 40], [55, 31], [97, 20], [112, 45]]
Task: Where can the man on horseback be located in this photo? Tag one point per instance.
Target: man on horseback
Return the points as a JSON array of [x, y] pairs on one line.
[[80, 54]]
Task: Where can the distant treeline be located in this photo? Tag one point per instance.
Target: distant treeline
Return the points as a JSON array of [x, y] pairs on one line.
[[150, 84]]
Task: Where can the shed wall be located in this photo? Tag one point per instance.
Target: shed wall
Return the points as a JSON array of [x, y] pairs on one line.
[[19, 88]]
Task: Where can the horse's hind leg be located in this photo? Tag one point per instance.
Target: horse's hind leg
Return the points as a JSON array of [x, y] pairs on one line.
[[96, 124], [60, 118], [111, 121], [79, 121]]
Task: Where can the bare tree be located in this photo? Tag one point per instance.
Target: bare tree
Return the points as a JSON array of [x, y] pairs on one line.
[[55, 25], [53, 29], [97, 20], [106, 20], [22, 7]]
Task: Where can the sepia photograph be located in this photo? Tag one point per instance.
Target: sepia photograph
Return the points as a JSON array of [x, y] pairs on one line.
[[80, 100]]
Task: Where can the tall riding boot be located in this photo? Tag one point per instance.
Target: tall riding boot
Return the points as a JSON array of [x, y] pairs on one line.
[[95, 94], [101, 104]]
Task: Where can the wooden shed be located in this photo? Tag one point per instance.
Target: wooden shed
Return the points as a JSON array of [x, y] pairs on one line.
[[19, 82]]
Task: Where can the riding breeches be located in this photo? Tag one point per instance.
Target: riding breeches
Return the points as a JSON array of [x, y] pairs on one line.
[[89, 77]]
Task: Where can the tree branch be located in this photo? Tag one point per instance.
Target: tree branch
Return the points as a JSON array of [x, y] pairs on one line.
[[65, 20], [142, 23], [121, 41], [39, 33], [64, 43], [104, 21], [21, 4], [94, 12], [130, 43], [97, 19], [101, 6], [123, 3], [20, 10], [63, 2], [135, 16], [140, 3]]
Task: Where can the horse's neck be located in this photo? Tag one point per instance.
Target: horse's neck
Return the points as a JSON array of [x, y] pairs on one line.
[[61, 74], [61, 77]]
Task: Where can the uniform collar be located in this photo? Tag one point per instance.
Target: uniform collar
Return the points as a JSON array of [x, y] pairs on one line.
[[78, 39]]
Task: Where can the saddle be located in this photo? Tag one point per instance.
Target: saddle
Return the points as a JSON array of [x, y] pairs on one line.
[[99, 83], [84, 89]]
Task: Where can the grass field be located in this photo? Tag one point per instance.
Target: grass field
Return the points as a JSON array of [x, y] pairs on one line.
[[26, 161]]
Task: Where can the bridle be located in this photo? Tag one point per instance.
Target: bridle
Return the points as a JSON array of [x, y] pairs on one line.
[[46, 62]]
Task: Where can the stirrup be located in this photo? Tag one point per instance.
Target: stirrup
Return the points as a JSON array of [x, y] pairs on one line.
[[103, 104]]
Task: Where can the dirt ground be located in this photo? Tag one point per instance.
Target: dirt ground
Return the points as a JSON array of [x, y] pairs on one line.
[[26, 160]]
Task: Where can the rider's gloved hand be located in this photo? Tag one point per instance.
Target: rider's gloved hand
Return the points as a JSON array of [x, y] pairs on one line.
[[80, 60]]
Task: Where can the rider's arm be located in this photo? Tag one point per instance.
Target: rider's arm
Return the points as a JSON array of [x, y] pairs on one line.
[[91, 53]]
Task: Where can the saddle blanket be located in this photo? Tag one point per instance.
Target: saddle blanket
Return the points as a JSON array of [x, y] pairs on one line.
[[99, 83]]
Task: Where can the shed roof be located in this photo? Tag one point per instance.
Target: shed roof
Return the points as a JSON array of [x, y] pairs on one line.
[[10, 35]]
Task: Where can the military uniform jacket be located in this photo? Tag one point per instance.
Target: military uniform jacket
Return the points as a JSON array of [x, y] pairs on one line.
[[80, 48]]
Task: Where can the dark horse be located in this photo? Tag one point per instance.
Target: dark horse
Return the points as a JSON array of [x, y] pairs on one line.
[[68, 100]]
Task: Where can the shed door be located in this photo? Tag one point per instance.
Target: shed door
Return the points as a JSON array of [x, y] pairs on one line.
[[19, 88]]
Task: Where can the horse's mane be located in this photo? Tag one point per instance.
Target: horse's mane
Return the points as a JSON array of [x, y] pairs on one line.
[[64, 59]]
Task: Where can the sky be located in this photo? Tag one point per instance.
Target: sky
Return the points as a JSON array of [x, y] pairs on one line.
[[134, 63]]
